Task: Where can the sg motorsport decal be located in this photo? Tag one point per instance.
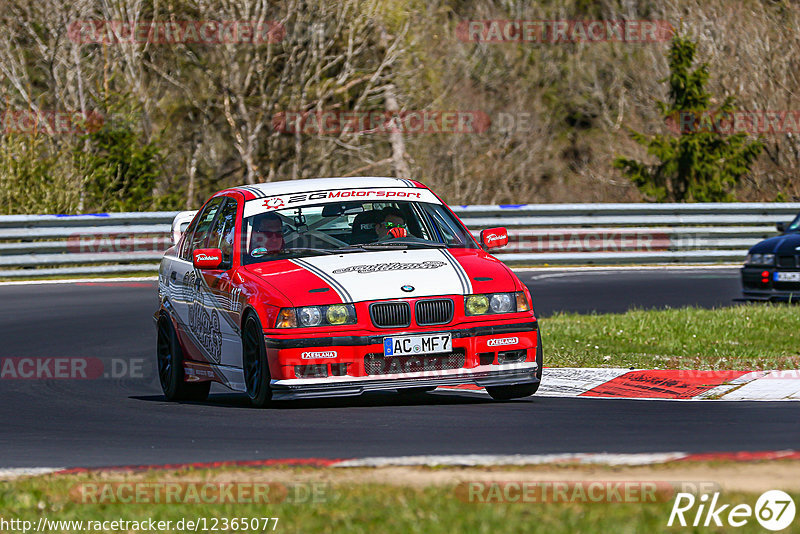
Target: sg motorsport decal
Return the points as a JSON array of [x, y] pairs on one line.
[[395, 266], [354, 193], [262, 203], [204, 325]]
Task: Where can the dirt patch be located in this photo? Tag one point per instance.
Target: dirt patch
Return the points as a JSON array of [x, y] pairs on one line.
[[727, 476]]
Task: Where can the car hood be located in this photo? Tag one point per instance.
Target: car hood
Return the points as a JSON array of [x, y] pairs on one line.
[[381, 275], [783, 244]]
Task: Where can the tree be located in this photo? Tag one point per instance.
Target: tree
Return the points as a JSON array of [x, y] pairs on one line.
[[700, 164], [119, 170]]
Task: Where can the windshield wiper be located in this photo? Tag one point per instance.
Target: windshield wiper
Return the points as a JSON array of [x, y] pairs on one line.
[[381, 246], [308, 249], [397, 243]]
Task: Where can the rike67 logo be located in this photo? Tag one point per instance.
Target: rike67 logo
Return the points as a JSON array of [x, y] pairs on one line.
[[774, 510]]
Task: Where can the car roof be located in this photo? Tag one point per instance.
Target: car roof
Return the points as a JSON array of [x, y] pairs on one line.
[[321, 184]]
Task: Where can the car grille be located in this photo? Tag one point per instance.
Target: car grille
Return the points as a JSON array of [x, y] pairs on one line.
[[787, 261], [377, 364], [433, 311], [390, 314]]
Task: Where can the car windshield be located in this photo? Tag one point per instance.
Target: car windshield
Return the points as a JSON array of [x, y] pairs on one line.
[[334, 228]]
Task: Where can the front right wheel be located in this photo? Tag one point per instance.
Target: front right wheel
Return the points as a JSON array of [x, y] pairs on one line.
[[255, 364]]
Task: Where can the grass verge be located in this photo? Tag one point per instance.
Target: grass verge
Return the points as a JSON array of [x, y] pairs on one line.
[[747, 337], [346, 505]]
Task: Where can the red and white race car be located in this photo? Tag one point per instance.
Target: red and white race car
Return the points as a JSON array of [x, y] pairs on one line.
[[339, 286]]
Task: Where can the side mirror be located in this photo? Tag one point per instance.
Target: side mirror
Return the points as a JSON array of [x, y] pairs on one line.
[[207, 258], [781, 226], [494, 238]]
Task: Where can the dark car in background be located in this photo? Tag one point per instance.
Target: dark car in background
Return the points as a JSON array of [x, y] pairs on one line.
[[772, 268]]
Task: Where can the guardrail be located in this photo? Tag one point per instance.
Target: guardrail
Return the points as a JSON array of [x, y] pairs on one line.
[[54, 245]]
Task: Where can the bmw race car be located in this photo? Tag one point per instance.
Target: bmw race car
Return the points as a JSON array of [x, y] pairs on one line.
[[339, 286], [772, 267]]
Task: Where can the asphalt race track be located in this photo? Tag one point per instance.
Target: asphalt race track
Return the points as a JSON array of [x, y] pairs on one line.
[[616, 291], [124, 421]]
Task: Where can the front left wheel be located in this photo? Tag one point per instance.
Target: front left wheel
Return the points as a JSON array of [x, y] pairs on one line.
[[255, 364], [170, 367], [503, 393]]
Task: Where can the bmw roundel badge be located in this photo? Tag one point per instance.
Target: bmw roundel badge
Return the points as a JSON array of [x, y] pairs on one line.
[[407, 288]]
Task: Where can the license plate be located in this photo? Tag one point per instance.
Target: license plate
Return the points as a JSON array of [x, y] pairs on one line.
[[787, 277], [427, 344]]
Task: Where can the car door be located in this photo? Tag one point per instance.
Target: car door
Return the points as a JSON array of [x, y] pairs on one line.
[[200, 337], [223, 302]]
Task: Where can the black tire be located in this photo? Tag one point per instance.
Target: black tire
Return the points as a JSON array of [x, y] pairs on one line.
[[170, 367], [517, 391], [416, 391], [503, 393], [254, 363]]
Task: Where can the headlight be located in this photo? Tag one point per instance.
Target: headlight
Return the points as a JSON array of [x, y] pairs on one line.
[[477, 304], [760, 259], [337, 314], [502, 303], [496, 303], [309, 316]]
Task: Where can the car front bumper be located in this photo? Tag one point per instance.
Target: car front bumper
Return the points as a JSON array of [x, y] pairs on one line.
[[482, 376]]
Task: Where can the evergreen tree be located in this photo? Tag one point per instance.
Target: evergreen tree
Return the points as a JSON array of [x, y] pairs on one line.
[[700, 164]]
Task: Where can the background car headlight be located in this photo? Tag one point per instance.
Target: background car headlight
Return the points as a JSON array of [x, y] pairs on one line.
[[760, 259], [309, 316], [496, 303], [501, 303]]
